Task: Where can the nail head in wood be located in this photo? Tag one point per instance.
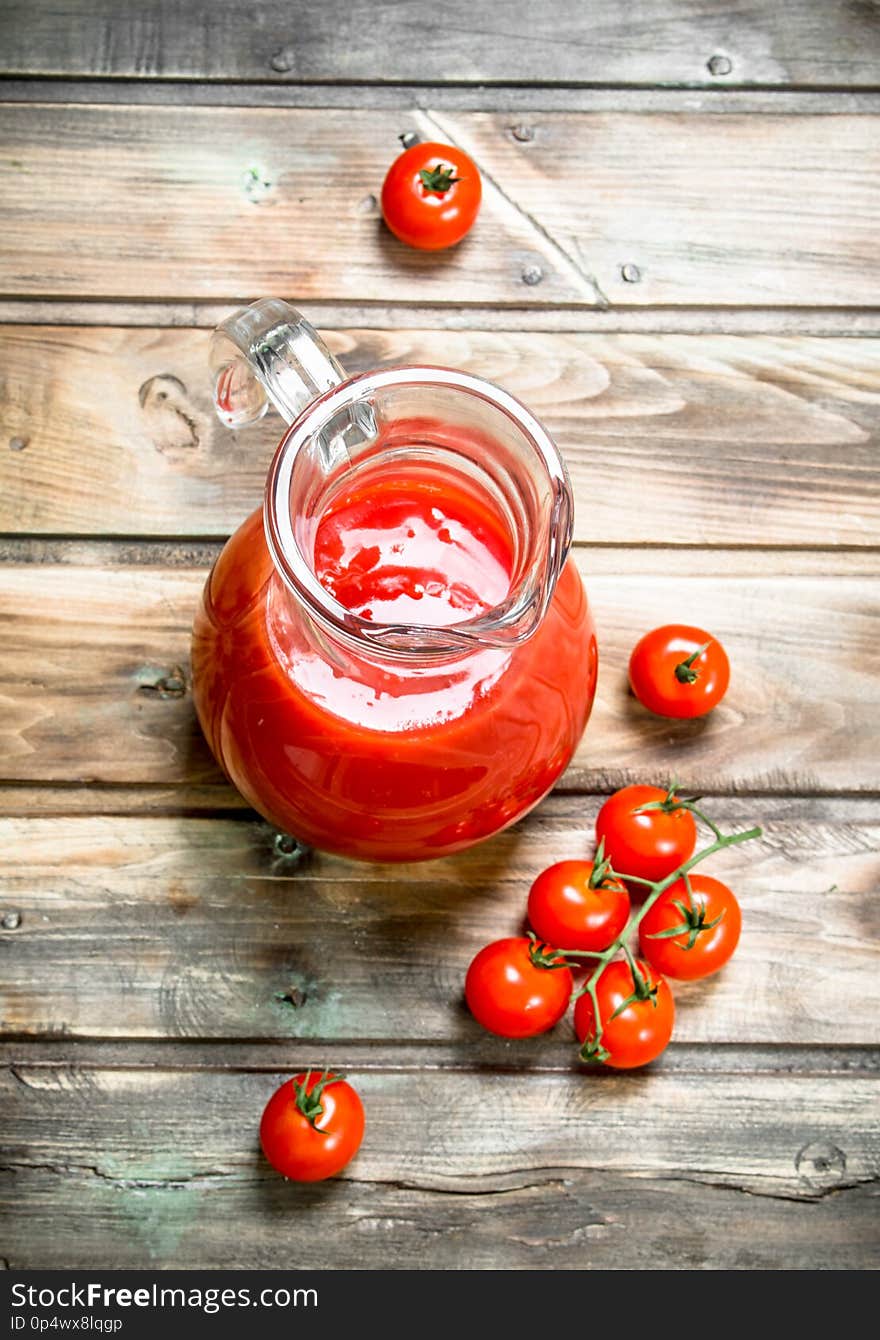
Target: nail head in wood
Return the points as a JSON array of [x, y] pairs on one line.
[[532, 274], [720, 65], [18, 443], [289, 847], [525, 134], [10, 921], [293, 996], [409, 138], [630, 274], [820, 1163], [283, 60]]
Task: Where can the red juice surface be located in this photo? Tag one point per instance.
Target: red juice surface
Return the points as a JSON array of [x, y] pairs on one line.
[[430, 555], [377, 759]]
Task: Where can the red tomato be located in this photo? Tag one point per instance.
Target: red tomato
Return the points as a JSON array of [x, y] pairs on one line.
[[710, 924], [518, 987], [679, 671], [649, 844], [634, 1031], [574, 905], [312, 1126], [431, 196]]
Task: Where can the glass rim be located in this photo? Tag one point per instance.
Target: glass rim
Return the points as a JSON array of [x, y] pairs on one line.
[[495, 627]]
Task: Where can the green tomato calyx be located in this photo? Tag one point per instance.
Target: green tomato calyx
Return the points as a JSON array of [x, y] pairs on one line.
[[438, 179], [309, 1101], [543, 955]]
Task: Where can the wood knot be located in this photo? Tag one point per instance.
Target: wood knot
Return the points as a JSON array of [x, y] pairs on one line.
[[171, 422], [256, 185], [170, 685], [181, 899], [820, 1164]]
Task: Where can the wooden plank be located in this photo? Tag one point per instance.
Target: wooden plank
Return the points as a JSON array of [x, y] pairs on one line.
[[669, 439], [174, 927], [224, 203], [227, 203], [144, 1168], [708, 211], [609, 42], [88, 651]]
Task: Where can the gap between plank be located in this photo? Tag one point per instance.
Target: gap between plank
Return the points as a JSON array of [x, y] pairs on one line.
[[458, 95], [219, 800], [559, 318], [198, 553], [390, 1056]]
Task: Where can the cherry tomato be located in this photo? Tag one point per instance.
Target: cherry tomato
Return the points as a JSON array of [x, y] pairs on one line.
[[431, 196], [679, 671], [518, 987], [648, 843], [575, 905], [312, 1126], [711, 924], [642, 1028]]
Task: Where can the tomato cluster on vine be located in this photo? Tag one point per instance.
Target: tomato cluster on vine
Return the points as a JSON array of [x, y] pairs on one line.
[[688, 926]]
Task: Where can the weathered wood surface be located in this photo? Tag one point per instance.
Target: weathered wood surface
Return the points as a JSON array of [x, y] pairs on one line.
[[187, 927], [143, 998], [669, 439], [132, 1168], [225, 203], [806, 43], [93, 677]]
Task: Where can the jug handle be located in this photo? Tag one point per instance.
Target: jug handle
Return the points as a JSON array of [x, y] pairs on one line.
[[269, 353]]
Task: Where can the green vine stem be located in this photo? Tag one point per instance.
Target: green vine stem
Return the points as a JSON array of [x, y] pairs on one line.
[[592, 1049]]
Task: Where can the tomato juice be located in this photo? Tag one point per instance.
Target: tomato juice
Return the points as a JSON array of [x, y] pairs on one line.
[[376, 756]]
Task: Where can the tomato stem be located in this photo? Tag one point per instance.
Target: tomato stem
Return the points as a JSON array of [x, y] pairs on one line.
[[599, 877], [544, 955], [592, 1048], [684, 671], [309, 1101]]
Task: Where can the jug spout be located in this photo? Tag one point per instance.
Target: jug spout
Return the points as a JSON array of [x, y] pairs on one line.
[[268, 353]]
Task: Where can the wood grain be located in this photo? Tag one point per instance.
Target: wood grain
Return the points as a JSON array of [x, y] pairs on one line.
[[669, 439], [728, 211], [185, 927], [226, 203], [93, 678], [146, 1168], [609, 42]]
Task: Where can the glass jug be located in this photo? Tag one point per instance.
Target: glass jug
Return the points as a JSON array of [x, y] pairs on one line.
[[393, 660]]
